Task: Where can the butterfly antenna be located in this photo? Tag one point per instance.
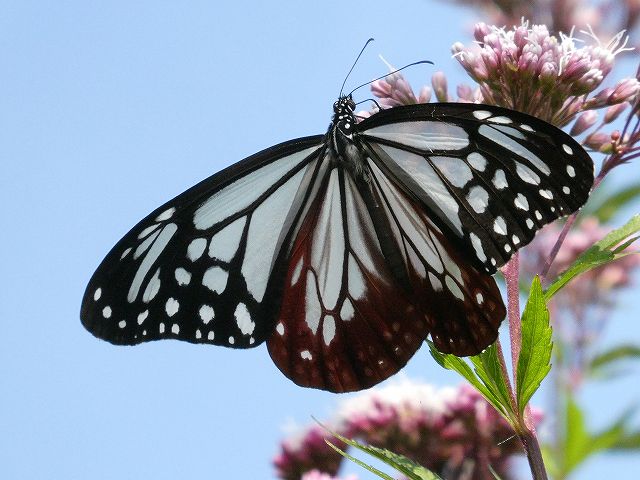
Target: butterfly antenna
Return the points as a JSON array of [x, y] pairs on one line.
[[354, 65], [391, 73]]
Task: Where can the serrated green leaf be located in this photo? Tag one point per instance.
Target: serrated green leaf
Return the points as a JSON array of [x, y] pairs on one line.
[[402, 464], [488, 369], [609, 206], [357, 461], [451, 362], [534, 362], [613, 356], [601, 253]]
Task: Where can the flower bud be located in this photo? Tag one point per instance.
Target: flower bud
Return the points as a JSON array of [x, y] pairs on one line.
[[584, 122]]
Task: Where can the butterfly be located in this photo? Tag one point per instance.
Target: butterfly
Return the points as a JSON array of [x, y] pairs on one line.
[[344, 251]]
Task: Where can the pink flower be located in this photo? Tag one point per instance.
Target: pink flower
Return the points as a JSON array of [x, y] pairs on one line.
[[446, 430], [529, 70]]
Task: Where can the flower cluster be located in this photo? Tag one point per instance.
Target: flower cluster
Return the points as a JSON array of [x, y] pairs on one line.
[[529, 70], [452, 431], [561, 15]]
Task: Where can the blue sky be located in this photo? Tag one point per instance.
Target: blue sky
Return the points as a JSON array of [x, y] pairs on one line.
[[107, 110]]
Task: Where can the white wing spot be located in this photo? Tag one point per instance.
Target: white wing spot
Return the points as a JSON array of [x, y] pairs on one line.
[[530, 223], [147, 231], [215, 279], [280, 329], [500, 226], [196, 248], [571, 171], [206, 313], [499, 180], [172, 306], [122, 323], [479, 298], [526, 174], [501, 119], [481, 114], [243, 319], [142, 317], [477, 246], [347, 311], [526, 127], [210, 335], [153, 287], [232, 340], [515, 240], [493, 262], [161, 327], [455, 170], [125, 253], [546, 193], [198, 334], [453, 287], [183, 277], [306, 355], [567, 149], [166, 215], [97, 294], [106, 312], [566, 190], [296, 272], [435, 282], [478, 198], [553, 209], [175, 329], [507, 248], [328, 329], [521, 202], [538, 215], [477, 161]]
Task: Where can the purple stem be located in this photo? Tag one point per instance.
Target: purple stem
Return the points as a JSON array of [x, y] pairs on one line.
[[565, 230], [511, 272]]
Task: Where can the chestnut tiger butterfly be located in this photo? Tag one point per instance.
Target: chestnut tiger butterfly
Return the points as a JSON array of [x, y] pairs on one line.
[[344, 251]]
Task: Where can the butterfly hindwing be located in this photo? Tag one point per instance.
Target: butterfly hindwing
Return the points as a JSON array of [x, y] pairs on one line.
[[202, 268], [369, 277]]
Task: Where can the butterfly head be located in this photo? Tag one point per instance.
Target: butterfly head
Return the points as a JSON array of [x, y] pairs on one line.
[[343, 118]]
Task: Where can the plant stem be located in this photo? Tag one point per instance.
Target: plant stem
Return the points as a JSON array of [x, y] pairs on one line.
[[526, 432], [511, 273], [534, 454]]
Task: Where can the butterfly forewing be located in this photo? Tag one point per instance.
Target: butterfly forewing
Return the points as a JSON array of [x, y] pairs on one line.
[[490, 177], [202, 268]]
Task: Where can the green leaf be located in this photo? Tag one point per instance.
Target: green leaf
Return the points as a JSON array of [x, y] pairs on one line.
[[488, 369], [576, 443], [581, 444], [609, 206], [400, 463], [605, 360], [451, 362], [610, 248], [534, 362], [486, 377]]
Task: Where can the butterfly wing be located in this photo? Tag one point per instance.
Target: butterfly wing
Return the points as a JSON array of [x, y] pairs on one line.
[[205, 267], [489, 177], [369, 277]]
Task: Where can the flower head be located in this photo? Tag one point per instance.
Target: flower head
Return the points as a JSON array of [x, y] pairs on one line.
[[530, 70], [446, 430]]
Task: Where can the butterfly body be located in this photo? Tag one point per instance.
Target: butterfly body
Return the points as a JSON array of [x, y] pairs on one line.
[[343, 252]]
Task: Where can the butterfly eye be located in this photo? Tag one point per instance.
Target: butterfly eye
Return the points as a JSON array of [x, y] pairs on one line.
[[343, 268]]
